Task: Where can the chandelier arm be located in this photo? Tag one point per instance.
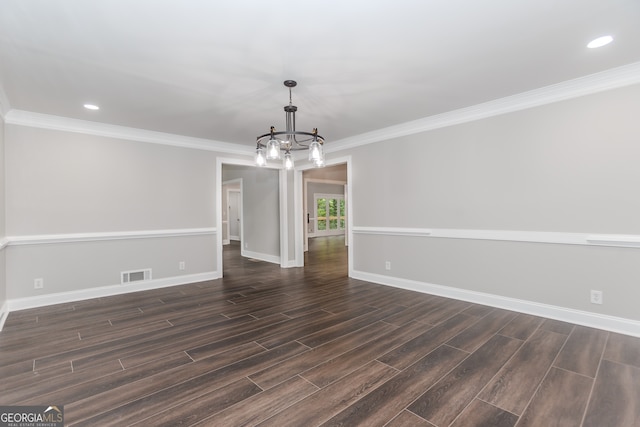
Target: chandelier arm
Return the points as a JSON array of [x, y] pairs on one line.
[[295, 133]]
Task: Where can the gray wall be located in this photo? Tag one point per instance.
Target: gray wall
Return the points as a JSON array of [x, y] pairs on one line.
[[260, 209], [571, 166], [3, 275], [65, 183]]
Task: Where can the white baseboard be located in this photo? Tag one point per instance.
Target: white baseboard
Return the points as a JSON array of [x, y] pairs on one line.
[[104, 291], [585, 318], [262, 257], [4, 313]]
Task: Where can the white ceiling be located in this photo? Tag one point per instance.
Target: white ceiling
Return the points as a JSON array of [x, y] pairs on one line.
[[214, 69]]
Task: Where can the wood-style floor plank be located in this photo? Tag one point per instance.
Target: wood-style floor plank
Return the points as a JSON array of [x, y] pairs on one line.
[[623, 349], [341, 365], [408, 419], [321, 405], [616, 398], [416, 348], [482, 414], [446, 399], [583, 351], [522, 326], [391, 398], [560, 401], [476, 335], [202, 407], [310, 346], [514, 385], [284, 370], [176, 393]]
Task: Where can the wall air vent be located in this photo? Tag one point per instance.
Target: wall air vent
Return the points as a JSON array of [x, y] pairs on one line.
[[135, 276]]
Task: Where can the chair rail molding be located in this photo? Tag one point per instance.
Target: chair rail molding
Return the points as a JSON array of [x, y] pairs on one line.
[[586, 239], [115, 235]]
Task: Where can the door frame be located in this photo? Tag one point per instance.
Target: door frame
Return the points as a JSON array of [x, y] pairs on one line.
[[218, 209], [300, 235]]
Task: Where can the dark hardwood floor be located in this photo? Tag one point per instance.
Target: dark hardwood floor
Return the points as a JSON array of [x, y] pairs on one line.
[[305, 347]]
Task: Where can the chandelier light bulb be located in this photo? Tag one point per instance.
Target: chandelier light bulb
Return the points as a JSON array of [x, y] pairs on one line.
[[260, 158], [288, 161], [314, 151], [273, 149]]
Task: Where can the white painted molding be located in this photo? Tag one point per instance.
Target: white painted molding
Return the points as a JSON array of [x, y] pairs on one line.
[[4, 243], [5, 107], [594, 83], [104, 291], [585, 318], [615, 240], [274, 259], [4, 313], [116, 235], [392, 231], [609, 79], [46, 121]]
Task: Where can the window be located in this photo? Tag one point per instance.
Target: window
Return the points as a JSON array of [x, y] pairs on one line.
[[330, 214]]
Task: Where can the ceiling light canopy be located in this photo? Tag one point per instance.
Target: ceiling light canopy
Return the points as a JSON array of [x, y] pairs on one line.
[[599, 42], [91, 107], [272, 144]]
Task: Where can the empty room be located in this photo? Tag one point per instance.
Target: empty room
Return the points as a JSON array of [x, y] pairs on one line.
[[336, 213]]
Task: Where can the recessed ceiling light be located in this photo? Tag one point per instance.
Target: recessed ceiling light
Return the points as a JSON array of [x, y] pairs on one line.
[[91, 107], [599, 42]]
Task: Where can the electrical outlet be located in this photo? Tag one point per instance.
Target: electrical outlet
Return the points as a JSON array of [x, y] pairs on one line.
[[38, 283], [181, 265], [596, 297], [387, 265]]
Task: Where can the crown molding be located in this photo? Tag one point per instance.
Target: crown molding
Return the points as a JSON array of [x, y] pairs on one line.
[[47, 121], [610, 79], [593, 83]]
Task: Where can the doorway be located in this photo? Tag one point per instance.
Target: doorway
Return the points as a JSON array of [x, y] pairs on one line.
[[248, 207], [234, 207], [325, 213]]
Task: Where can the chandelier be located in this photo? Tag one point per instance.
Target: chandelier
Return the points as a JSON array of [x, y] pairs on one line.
[[272, 144]]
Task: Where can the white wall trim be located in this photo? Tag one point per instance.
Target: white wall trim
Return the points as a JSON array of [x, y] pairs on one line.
[[4, 243], [283, 192], [4, 313], [104, 291], [587, 85], [587, 239], [47, 121], [392, 231], [5, 106], [115, 235], [260, 256], [585, 318]]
